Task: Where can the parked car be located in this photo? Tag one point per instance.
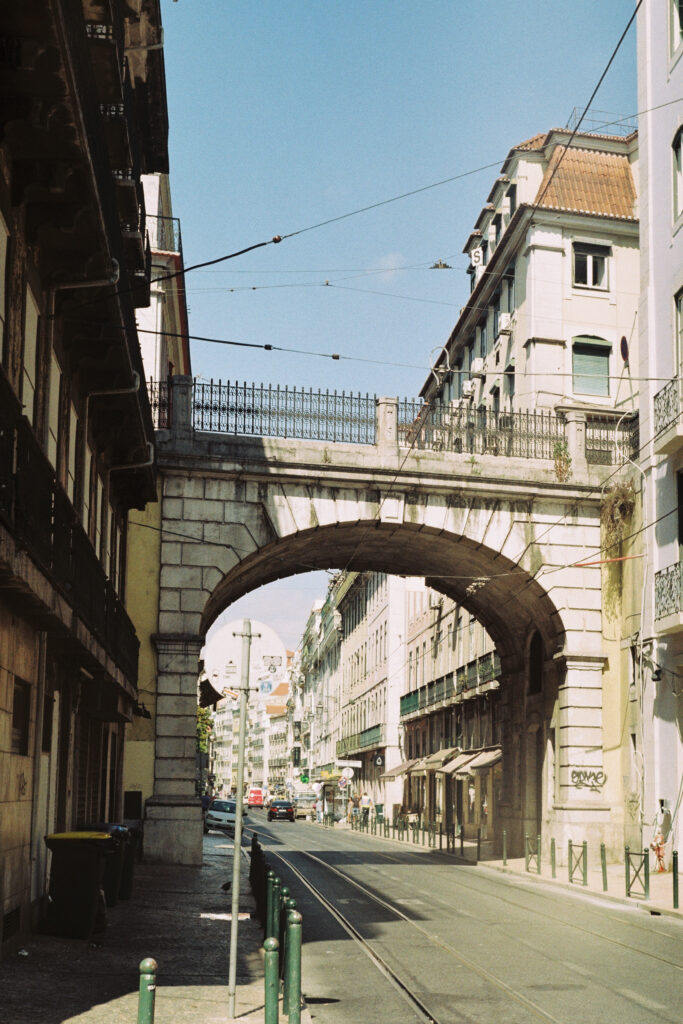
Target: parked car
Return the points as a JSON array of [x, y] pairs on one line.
[[304, 805], [281, 809], [221, 816], [255, 797]]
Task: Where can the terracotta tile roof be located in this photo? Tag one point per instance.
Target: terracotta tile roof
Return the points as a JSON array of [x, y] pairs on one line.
[[589, 181]]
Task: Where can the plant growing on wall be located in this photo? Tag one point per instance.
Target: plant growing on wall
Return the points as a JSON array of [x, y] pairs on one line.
[[204, 726], [616, 508], [563, 461]]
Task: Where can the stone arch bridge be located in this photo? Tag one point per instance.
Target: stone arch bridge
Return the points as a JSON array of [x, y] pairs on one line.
[[262, 483]]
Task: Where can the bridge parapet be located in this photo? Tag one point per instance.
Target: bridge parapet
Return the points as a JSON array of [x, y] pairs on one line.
[[574, 443]]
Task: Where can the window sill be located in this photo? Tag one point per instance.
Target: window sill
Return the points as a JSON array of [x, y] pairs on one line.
[[587, 289]]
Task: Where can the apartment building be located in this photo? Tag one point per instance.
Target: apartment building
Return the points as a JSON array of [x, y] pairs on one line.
[[656, 679], [83, 118]]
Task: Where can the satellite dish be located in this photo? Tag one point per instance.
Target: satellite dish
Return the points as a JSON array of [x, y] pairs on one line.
[[624, 348]]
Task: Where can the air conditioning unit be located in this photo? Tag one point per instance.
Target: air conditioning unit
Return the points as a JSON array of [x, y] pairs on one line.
[[468, 387], [477, 367], [505, 323]]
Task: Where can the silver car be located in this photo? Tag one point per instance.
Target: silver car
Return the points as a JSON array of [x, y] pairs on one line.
[[221, 816]]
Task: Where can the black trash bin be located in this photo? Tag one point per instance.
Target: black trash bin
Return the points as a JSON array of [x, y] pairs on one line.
[[131, 854], [76, 874], [114, 866]]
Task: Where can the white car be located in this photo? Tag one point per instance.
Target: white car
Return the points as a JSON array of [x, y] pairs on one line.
[[221, 816]]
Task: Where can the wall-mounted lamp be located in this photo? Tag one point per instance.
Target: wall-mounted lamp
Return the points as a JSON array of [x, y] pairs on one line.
[[140, 711]]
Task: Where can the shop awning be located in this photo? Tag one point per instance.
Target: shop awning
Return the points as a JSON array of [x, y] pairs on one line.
[[485, 760], [436, 761], [419, 767], [458, 766], [400, 769]]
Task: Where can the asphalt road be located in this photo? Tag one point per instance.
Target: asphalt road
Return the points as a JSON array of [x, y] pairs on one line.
[[467, 944]]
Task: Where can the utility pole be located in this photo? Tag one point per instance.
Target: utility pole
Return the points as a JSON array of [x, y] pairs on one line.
[[246, 635]]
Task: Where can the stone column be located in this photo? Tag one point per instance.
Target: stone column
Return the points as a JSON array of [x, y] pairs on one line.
[[576, 440], [582, 811], [387, 424], [173, 817]]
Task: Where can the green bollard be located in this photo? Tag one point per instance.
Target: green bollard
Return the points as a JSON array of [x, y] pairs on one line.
[[271, 956], [292, 1000], [646, 873], [674, 868], [505, 847], [275, 909], [281, 920], [584, 863], [553, 861], [538, 855], [603, 863], [526, 851], [569, 859], [270, 878], [290, 904], [148, 987], [627, 866]]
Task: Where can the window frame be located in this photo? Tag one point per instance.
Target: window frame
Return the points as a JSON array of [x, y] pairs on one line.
[[21, 717], [591, 250], [596, 346], [677, 174]]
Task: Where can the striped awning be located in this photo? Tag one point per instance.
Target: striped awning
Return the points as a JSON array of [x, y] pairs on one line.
[[436, 761], [458, 766], [485, 760]]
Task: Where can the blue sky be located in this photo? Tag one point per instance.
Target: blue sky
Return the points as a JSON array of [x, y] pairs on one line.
[[284, 115]]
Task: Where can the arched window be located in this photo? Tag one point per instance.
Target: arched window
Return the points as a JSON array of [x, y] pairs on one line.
[[536, 664]]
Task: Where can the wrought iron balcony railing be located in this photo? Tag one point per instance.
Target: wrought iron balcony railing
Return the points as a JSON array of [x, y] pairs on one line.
[[368, 738], [164, 234], [667, 405], [467, 677], [668, 598]]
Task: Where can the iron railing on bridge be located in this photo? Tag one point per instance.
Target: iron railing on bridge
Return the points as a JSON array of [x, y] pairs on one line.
[[265, 411], [262, 410], [526, 435]]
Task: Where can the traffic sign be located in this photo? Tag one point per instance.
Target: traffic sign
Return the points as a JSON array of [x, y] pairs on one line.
[[303, 777], [343, 783], [347, 773]]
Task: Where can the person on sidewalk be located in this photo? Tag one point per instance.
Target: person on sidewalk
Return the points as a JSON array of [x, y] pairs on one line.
[[366, 805]]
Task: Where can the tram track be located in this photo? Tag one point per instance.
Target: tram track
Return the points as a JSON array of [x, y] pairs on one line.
[[420, 999]]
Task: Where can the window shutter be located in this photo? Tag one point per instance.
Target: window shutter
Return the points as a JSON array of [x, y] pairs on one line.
[[590, 367]]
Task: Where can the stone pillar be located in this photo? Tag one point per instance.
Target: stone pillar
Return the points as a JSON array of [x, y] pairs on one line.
[[576, 440], [387, 424], [173, 816], [181, 407], [582, 811]]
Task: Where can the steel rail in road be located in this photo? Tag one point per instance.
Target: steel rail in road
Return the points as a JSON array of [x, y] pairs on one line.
[[638, 922], [390, 972], [393, 972]]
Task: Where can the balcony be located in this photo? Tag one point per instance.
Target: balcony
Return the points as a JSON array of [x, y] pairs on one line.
[[359, 741], [164, 234], [477, 676], [668, 423], [668, 599]]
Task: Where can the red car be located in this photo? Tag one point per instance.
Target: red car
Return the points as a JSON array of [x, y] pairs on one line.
[[282, 809]]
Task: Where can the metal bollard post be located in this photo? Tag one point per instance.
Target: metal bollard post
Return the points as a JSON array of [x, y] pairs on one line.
[[270, 878], [553, 861], [462, 841], [526, 851], [289, 904], [569, 859], [627, 865], [646, 873], [281, 921], [292, 999], [272, 984], [478, 845], [538, 855], [505, 847], [584, 863], [275, 909], [148, 987], [603, 862], [674, 868]]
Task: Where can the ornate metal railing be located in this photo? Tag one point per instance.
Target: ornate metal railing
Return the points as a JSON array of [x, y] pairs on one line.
[[667, 405], [164, 234], [668, 591], [526, 435], [372, 737], [610, 440], [160, 392], [267, 411]]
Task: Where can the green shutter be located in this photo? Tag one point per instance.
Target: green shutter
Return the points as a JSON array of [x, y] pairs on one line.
[[590, 368]]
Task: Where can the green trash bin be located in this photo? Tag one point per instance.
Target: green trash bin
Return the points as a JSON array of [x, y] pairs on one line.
[[76, 874]]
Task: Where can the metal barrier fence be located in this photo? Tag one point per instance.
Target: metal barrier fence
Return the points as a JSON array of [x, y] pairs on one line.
[[577, 861], [532, 854], [637, 866]]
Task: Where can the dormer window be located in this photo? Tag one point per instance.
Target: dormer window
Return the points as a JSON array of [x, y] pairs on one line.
[[512, 198], [497, 223], [591, 266]]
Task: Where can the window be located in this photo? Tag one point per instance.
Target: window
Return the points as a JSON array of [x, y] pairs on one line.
[[590, 366], [678, 315], [590, 265], [71, 461], [28, 387], [497, 223], [54, 383], [4, 239], [21, 716], [512, 198], [496, 316], [677, 146], [482, 339], [509, 280], [676, 24]]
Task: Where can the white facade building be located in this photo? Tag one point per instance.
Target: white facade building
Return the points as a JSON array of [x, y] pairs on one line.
[[658, 660]]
